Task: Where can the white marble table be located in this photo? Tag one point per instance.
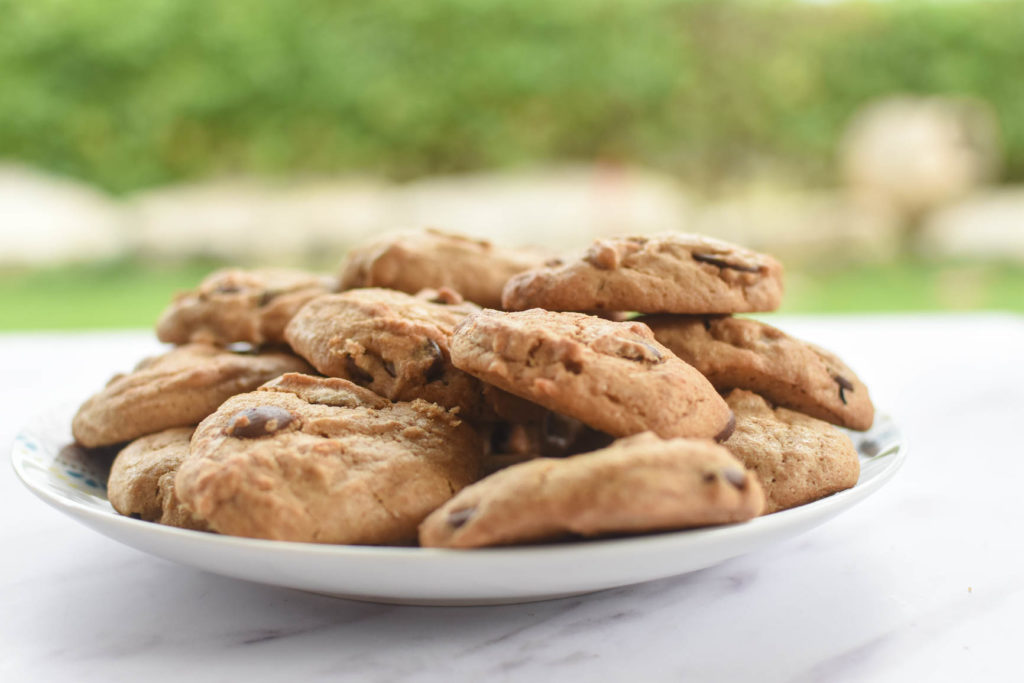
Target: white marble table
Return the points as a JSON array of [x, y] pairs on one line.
[[922, 582]]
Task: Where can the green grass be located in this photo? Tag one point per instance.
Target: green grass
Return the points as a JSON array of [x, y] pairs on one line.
[[907, 286], [131, 294], [107, 295]]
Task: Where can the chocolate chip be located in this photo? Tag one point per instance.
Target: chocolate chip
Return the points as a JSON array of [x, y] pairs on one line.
[[356, 373], [844, 384], [573, 365], [268, 296], [389, 368], [253, 423], [707, 323], [729, 429], [460, 517], [735, 476], [435, 370], [720, 262]]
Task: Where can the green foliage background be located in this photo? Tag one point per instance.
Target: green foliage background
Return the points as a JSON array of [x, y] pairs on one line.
[[132, 93]]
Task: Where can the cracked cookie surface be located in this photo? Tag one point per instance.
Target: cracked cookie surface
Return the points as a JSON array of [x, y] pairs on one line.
[[797, 458], [393, 343], [666, 273], [740, 353], [322, 460], [612, 376], [430, 258], [232, 305], [176, 389], [638, 484]]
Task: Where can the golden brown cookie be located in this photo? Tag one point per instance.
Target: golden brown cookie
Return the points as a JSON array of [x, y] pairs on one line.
[[413, 261], [637, 485], [797, 458], [141, 482], [612, 376], [393, 343], [250, 306], [740, 353], [176, 389], [322, 460], [665, 273]]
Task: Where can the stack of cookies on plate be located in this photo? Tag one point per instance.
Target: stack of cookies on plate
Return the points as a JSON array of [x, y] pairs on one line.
[[446, 392]]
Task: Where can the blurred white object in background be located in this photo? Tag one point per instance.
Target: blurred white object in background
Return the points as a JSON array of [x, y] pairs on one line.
[[989, 225], [557, 208], [49, 220], [920, 153], [312, 221], [803, 227], [253, 221]]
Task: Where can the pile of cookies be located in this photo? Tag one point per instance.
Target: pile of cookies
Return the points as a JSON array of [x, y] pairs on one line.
[[446, 392]]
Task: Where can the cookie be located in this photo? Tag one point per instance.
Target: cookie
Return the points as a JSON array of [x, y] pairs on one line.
[[637, 485], [612, 376], [797, 458], [739, 353], [141, 482], [176, 389], [250, 306], [413, 261], [666, 273], [323, 460], [393, 343]]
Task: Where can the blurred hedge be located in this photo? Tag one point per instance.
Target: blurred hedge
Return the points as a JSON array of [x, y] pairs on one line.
[[130, 93]]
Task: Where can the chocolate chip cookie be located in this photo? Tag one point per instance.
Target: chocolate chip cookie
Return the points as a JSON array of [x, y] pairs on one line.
[[141, 482], [413, 261], [636, 485], [667, 273], [747, 354], [323, 460], [250, 306], [797, 458], [176, 389], [393, 343], [612, 376]]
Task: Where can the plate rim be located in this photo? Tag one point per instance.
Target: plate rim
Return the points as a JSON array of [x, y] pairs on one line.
[[824, 508]]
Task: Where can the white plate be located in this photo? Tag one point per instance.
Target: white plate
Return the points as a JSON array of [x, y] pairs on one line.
[[74, 482]]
